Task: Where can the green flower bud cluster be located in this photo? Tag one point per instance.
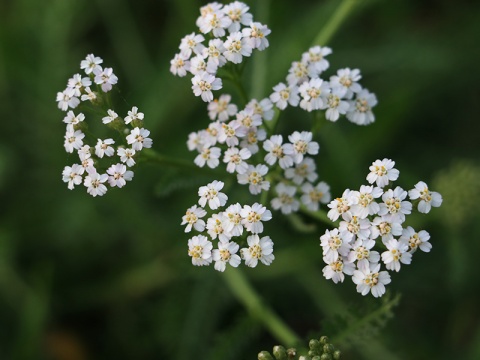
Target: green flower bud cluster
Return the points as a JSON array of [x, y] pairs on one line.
[[319, 349]]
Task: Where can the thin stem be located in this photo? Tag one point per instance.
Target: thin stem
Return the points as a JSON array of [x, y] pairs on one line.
[[153, 156], [246, 294], [320, 215], [338, 17]]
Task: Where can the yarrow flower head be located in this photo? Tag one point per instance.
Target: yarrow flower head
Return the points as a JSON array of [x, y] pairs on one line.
[[94, 153]]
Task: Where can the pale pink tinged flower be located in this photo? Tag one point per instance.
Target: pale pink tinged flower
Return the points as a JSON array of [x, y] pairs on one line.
[[73, 175], [126, 156], [221, 108], [106, 78], [94, 182], [103, 148], [73, 140], [119, 175]]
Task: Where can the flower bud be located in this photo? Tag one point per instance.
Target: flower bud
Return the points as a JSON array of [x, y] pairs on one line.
[[279, 352], [291, 353], [337, 355], [326, 357], [314, 345], [324, 340], [328, 349], [264, 355]]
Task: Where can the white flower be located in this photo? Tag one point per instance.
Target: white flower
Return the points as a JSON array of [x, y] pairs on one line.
[[255, 178], [276, 151], [179, 65], [214, 55], [382, 172], [352, 227], [256, 35], [77, 83], [119, 175], [365, 204], [284, 95], [210, 8], [346, 82], [216, 227], [315, 58], [314, 94], [73, 175], [393, 204], [370, 278], [258, 249], [84, 152], [91, 63], [396, 254], [285, 201], [126, 156], [302, 144], [221, 108], [238, 13], [416, 240], [362, 253], [112, 115], [386, 228], [103, 148], [193, 218], [216, 22], [67, 99], [230, 132], [248, 119], [198, 65], [73, 140], [298, 73], [263, 108], [208, 156], [233, 220], [72, 119], [312, 196], [335, 106], [191, 43], [302, 171], [337, 269], [339, 206], [226, 253], [427, 198], [360, 111], [134, 115], [236, 47], [212, 194], [106, 78], [139, 139], [252, 217], [204, 83], [254, 135], [333, 245], [87, 163], [90, 95], [234, 158], [200, 249], [94, 182]]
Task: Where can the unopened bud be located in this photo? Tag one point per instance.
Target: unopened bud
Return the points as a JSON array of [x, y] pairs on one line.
[[328, 349], [314, 345], [264, 355], [326, 357], [337, 355], [279, 352], [324, 340], [291, 353]]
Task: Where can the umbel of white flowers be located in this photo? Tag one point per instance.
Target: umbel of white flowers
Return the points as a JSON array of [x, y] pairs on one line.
[[92, 168], [236, 221], [373, 218]]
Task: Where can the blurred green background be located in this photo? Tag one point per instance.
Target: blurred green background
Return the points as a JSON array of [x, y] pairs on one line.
[[108, 278]]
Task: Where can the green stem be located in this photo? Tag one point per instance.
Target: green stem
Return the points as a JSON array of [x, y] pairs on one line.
[[320, 215], [246, 294], [338, 17], [152, 156]]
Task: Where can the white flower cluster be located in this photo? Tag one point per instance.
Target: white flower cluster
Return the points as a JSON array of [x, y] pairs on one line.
[[373, 213], [91, 158], [234, 35], [240, 138], [341, 95], [234, 221]]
